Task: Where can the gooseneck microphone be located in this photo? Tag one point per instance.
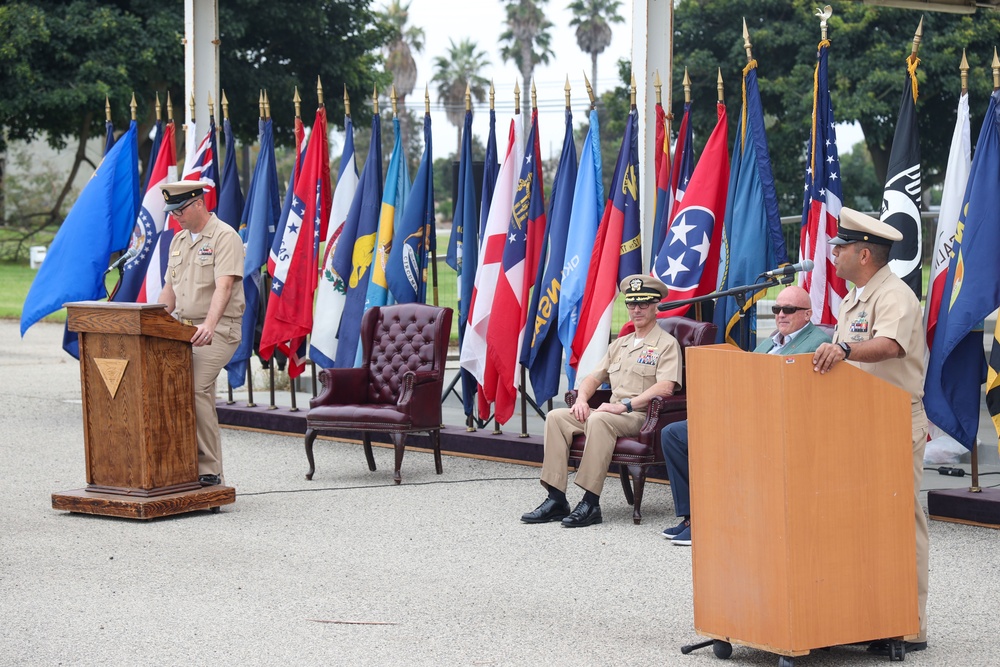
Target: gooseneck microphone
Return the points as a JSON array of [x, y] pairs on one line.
[[804, 266], [125, 258]]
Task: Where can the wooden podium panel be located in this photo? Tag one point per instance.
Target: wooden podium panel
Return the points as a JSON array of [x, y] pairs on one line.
[[138, 413], [802, 502]]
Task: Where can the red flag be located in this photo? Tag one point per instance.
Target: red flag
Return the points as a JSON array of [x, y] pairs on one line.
[[289, 315], [689, 260], [664, 195]]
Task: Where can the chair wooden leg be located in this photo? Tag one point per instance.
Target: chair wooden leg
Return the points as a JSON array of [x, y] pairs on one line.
[[436, 435], [310, 438], [626, 486], [639, 474], [367, 440], [399, 440]]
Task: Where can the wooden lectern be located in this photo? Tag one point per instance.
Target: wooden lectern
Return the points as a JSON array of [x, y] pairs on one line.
[[801, 501], [138, 414]]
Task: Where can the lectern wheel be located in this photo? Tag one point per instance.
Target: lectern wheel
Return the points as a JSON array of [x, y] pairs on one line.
[[216, 510], [785, 661], [897, 650], [722, 649]]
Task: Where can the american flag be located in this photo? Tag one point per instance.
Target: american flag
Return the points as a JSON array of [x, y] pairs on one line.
[[822, 202]]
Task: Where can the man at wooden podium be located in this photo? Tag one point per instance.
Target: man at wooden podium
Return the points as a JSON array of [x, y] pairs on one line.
[[795, 334], [205, 262], [880, 330]]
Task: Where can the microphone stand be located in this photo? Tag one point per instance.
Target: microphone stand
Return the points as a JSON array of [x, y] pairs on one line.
[[741, 294]]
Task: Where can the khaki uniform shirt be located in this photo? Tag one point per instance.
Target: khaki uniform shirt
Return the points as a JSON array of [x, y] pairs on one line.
[[193, 267], [887, 308], [631, 369]]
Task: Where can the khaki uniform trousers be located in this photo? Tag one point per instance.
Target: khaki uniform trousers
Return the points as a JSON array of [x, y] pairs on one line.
[[919, 443], [208, 361], [601, 430]]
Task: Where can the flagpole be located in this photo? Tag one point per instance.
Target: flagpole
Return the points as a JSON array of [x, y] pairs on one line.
[[133, 106], [524, 381], [427, 242], [107, 109], [312, 364]]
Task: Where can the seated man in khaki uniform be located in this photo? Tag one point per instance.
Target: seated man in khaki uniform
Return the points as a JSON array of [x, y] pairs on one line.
[[638, 366], [203, 289]]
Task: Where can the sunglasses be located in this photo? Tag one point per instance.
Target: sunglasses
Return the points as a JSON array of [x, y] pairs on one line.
[[787, 310], [177, 212]]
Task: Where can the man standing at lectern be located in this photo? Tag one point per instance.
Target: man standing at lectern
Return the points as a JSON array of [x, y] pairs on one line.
[[638, 366], [795, 334], [880, 330], [205, 263]]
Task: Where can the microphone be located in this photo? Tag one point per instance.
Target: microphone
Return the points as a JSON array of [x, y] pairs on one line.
[[805, 266], [124, 259]]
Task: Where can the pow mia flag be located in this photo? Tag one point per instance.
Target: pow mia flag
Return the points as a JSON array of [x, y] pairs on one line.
[[901, 196]]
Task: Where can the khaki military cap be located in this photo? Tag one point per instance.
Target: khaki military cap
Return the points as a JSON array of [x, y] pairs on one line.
[[855, 226], [177, 194], [638, 288]]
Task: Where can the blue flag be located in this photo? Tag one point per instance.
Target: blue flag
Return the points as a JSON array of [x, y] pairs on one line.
[[466, 227], [230, 207], [258, 221], [406, 273], [356, 248], [153, 152], [542, 350], [955, 370], [752, 242], [585, 217], [491, 171], [99, 223], [397, 191], [109, 136]]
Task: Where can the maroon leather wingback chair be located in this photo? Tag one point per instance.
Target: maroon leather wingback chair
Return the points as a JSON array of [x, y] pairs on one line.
[[633, 455], [398, 388]]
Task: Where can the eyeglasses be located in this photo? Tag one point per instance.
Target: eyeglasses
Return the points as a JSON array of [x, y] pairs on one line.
[[787, 310], [178, 211], [638, 306]]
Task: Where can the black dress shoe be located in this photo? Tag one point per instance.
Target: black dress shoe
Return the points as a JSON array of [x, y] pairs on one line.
[[881, 647], [550, 510], [585, 514], [209, 480]]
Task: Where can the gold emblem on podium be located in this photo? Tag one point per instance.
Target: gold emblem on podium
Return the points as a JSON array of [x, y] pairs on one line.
[[112, 371]]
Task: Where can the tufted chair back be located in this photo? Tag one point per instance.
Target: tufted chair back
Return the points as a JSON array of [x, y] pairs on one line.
[[399, 338], [689, 333]]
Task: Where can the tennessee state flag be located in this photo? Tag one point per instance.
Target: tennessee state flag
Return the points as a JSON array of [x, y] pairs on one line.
[[688, 262], [289, 314], [617, 254], [525, 231]]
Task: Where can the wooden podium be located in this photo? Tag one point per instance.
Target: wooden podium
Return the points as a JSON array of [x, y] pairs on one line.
[[801, 501], [138, 415]]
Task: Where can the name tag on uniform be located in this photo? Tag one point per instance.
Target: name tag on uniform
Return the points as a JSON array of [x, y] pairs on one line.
[[860, 324], [175, 253], [205, 251], [649, 357]]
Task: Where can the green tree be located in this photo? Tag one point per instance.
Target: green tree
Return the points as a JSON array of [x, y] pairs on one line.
[[526, 40], [593, 19], [869, 47], [458, 68]]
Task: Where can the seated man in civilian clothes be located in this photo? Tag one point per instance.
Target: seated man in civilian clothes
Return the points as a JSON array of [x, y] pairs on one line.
[[638, 366], [795, 334]]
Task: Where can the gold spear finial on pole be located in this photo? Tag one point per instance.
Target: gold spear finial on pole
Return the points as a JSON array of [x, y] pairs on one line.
[[534, 95], [159, 109], [133, 106], [719, 87], [191, 105], [319, 91], [590, 91], [211, 106], [658, 87], [517, 98], [267, 105], [632, 91], [225, 105], [746, 41], [824, 16], [260, 103], [375, 98], [687, 87], [170, 109], [347, 103], [916, 38], [392, 99], [996, 70], [493, 94], [964, 69], [567, 90], [468, 96], [297, 100], [427, 100], [107, 108]]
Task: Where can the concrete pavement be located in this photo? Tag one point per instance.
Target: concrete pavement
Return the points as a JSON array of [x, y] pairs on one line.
[[351, 570]]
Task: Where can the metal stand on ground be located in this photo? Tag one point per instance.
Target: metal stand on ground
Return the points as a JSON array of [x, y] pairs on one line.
[[270, 369], [292, 387], [250, 403]]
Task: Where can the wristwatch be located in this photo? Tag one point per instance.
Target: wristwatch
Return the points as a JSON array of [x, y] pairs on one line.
[[847, 350], [627, 402]]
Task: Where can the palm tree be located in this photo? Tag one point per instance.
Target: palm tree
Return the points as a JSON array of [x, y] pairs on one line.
[[452, 72], [592, 19], [403, 41], [527, 37]]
